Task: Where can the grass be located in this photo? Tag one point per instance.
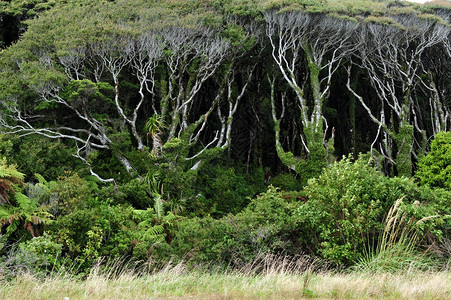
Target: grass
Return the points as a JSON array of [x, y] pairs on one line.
[[175, 282], [397, 246]]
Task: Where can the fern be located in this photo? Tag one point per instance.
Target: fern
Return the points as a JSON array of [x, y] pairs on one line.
[[24, 202], [9, 171], [26, 213], [155, 230], [159, 209], [8, 177], [40, 179]]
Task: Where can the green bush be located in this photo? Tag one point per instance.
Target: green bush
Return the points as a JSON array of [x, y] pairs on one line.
[[39, 256], [36, 154], [435, 168], [73, 193], [102, 230], [227, 190], [223, 189], [266, 225], [286, 182], [136, 193], [347, 204]]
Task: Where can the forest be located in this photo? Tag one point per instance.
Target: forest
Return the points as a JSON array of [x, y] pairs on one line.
[[221, 132]]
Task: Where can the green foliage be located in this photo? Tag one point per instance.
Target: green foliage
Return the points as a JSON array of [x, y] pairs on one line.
[[151, 232], [286, 182], [101, 229], [27, 8], [135, 192], [9, 176], [314, 164], [226, 190], [39, 256], [6, 146], [345, 204], [238, 37], [153, 128], [50, 158], [396, 248], [384, 21], [265, 226], [404, 139], [138, 215], [26, 214], [73, 193], [435, 168], [85, 94]]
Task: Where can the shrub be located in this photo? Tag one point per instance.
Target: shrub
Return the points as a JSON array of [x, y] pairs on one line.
[[435, 168], [223, 189], [135, 193], [101, 230], [286, 182], [226, 189], [264, 226], [73, 193], [36, 154], [396, 245], [347, 204], [40, 256]]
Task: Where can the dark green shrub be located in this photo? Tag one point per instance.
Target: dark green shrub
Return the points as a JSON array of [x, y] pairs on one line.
[[73, 193], [264, 226], [347, 205], [225, 189], [435, 168], [286, 182], [136, 193], [114, 231], [36, 154]]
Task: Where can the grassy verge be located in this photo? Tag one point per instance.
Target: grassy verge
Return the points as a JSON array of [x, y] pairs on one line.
[[175, 283]]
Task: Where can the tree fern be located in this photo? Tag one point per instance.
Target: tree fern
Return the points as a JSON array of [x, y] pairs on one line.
[[26, 213], [8, 177], [153, 128]]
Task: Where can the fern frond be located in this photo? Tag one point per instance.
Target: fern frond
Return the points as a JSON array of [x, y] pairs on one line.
[[40, 179], [24, 202], [159, 209], [8, 177], [155, 230], [10, 172]]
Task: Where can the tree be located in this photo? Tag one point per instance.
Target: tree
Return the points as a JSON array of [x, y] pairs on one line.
[[77, 80], [308, 50], [392, 54]]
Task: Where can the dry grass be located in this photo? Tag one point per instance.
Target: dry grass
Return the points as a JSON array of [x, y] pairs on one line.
[[287, 279]]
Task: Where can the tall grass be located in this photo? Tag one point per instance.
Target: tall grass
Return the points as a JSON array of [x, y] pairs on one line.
[[397, 246], [271, 277]]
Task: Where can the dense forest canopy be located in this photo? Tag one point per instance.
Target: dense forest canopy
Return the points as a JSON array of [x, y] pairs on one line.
[[198, 75], [191, 108]]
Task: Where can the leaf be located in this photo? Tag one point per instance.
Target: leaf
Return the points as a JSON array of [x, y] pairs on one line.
[[24, 202], [159, 206]]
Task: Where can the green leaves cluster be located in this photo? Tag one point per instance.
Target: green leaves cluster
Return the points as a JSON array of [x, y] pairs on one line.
[[435, 168], [348, 203], [9, 176]]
